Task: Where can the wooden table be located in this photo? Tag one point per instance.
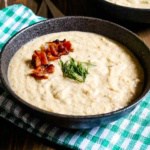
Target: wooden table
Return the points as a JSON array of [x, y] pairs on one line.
[[13, 138]]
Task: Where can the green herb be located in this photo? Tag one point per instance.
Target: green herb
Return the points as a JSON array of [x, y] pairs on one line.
[[75, 70]]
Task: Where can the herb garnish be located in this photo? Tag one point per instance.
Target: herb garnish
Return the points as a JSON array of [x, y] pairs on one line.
[[75, 70]]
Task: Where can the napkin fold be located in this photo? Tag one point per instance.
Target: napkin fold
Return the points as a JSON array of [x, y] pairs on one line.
[[129, 132]]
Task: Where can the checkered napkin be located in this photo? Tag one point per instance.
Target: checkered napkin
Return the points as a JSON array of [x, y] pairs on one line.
[[131, 132]]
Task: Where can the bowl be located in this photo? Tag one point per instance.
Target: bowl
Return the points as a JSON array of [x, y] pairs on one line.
[[87, 24], [124, 13]]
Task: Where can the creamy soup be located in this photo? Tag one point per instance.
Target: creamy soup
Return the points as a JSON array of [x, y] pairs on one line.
[[132, 3], [113, 82]]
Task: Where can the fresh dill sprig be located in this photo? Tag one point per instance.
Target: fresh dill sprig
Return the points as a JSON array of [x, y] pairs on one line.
[[75, 70]]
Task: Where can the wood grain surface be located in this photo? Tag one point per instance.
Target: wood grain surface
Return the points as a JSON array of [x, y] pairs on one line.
[[14, 138]]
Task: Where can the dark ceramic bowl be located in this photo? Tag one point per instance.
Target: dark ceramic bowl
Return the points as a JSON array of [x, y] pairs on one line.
[[108, 29], [138, 15]]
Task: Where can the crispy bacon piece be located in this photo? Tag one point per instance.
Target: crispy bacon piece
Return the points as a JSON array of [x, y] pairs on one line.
[[61, 45], [49, 52], [52, 58], [53, 50], [50, 68], [61, 48], [39, 76], [42, 71], [67, 45], [64, 52], [36, 62], [44, 60], [42, 56], [39, 58]]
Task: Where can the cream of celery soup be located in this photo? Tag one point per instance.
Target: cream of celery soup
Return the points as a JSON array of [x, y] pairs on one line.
[[132, 3], [113, 80]]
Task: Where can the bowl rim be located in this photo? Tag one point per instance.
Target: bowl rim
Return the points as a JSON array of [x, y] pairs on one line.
[[54, 114]]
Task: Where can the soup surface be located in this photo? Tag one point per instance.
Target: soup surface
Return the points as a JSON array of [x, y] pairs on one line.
[[113, 81], [132, 3]]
